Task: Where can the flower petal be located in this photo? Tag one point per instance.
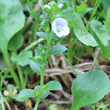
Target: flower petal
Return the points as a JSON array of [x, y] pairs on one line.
[[54, 27], [61, 22], [65, 30]]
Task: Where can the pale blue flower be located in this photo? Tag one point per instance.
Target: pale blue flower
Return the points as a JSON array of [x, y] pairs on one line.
[[60, 27]]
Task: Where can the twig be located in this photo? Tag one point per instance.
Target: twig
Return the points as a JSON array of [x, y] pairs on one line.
[[59, 102], [6, 102]]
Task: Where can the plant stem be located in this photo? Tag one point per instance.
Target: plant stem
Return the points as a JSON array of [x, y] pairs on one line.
[[70, 65], [37, 104], [2, 102], [20, 76], [75, 9], [7, 60], [42, 72], [34, 43], [101, 45], [95, 9], [41, 84], [25, 80]]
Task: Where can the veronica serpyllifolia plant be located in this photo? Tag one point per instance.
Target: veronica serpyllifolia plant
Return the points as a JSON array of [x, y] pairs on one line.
[[38, 62]]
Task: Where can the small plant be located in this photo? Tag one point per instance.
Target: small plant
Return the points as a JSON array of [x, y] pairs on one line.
[[61, 20], [52, 36]]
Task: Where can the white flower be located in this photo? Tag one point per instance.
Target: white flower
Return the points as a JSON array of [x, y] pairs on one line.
[[60, 27], [60, 5], [47, 6]]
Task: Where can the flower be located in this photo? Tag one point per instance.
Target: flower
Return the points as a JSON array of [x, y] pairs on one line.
[[60, 5], [47, 6], [60, 27]]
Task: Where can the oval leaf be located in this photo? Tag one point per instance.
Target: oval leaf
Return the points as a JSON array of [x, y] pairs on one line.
[[44, 94], [35, 67], [58, 49], [11, 20], [89, 88], [42, 35], [53, 85], [15, 42], [27, 93], [81, 32]]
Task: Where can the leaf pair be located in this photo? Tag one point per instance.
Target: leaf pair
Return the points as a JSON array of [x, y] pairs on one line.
[[28, 93]]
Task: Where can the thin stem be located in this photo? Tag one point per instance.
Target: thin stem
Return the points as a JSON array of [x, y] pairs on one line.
[[25, 80], [34, 43], [48, 47], [20, 76], [95, 9], [2, 102], [42, 72], [41, 84], [7, 60], [70, 65], [42, 76], [6, 102], [75, 9], [101, 45], [37, 104]]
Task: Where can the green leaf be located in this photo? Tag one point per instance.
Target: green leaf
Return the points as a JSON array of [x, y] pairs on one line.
[[23, 58], [38, 52], [81, 7], [89, 88], [81, 32], [106, 4], [41, 63], [53, 85], [17, 99], [15, 42], [42, 35], [26, 93], [43, 16], [86, 11], [37, 88], [44, 94], [107, 22], [100, 31], [35, 67], [58, 49], [54, 36], [69, 12], [11, 20]]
